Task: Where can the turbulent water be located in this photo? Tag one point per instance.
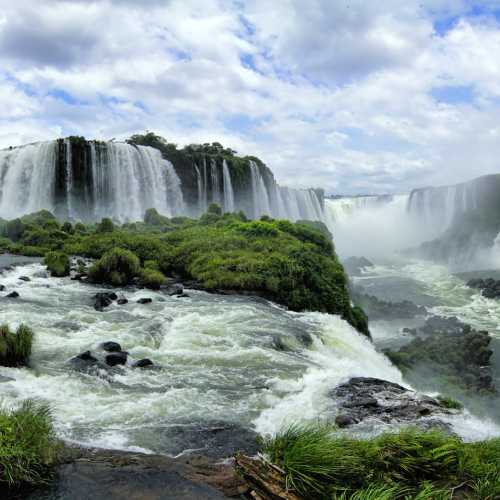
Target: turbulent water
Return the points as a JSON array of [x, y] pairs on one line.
[[219, 360]]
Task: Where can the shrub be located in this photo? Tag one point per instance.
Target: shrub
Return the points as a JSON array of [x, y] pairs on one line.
[[318, 463], [152, 279], [57, 263], [117, 267], [28, 447], [153, 218], [15, 347], [105, 226], [67, 228]]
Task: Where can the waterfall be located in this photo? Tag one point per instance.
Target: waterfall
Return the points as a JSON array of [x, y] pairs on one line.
[[115, 180], [228, 189], [214, 173], [27, 179], [89, 180], [261, 205]]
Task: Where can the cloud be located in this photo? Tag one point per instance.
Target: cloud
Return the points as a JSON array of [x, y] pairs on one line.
[[351, 96]]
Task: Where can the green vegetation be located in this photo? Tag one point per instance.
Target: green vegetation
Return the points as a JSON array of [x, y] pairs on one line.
[[117, 267], [15, 347], [28, 447], [152, 279], [320, 464], [57, 263], [450, 403], [293, 264]]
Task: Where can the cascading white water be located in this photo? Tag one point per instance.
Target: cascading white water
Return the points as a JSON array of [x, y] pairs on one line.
[[125, 181], [438, 207], [261, 205], [121, 181], [25, 175], [228, 189], [283, 202]]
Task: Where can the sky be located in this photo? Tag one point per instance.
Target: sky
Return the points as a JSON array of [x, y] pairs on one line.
[[352, 96]]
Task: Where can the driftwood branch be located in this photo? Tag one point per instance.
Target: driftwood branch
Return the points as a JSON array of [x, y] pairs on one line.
[[266, 481]]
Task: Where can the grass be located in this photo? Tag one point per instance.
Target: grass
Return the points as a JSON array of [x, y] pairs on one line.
[[57, 263], [15, 347], [117, 267], [321, 464], [28, 447]]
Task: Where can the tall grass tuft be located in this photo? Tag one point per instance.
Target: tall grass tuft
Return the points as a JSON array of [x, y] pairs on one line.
[[28, 447], [15, 347], [412, 464]]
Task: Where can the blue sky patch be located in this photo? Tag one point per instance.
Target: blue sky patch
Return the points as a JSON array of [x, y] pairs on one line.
[[454, 94]]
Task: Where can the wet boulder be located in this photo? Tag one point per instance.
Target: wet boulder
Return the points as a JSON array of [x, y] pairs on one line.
[[103, 300], [2, 288], [83, 361], [365, 399], [116, 358], [111, 346], [145, 300], [12, 295], [176, 289], [143, 363], [122, 301], [24, 278]]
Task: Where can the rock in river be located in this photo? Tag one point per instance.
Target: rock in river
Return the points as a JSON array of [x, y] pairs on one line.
[[362, 399]]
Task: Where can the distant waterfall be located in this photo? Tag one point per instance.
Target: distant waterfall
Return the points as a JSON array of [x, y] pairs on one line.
[[228, 189], [282, 202], [439, 206]]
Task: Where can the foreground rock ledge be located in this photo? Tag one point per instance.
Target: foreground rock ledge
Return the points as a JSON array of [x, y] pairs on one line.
[[116, 475]]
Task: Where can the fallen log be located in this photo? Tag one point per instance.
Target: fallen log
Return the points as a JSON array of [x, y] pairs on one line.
[[266, 481]]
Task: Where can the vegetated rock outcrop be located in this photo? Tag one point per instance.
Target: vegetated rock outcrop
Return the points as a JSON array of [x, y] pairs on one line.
[[377, 309], [490, 288], [364, 399], [451, 349], [355, 265], [293, 264]]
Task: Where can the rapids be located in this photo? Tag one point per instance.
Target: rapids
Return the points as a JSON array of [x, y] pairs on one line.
[[227, 359]]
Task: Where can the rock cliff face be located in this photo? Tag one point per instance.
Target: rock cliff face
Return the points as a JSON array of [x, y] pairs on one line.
[[80, 179]]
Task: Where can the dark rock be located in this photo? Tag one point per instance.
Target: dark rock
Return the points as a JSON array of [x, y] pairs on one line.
[[145, 300], [342, 421], [115, 475], [24, 278], [176, 290], [380, 309], [143, 363], [111, 346], [2, 288], [217, 440], [12, 295], [103, 300], [181, 295], [355, 265], [363, 399], [122, 301], [490, 288], [116, 358], [83, 362], [86, 356]]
